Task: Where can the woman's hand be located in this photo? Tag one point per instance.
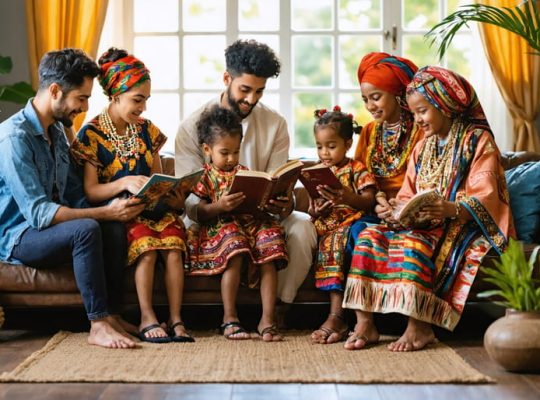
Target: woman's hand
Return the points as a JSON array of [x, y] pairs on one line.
[[439, 209], [133, 183]]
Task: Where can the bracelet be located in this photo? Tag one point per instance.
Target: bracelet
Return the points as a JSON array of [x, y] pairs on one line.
[[458, 210]]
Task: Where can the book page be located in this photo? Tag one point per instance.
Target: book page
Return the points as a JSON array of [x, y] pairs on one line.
[[408, 215]]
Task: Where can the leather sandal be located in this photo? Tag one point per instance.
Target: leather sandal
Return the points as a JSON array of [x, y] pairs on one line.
[[187, 338], [232, 324]]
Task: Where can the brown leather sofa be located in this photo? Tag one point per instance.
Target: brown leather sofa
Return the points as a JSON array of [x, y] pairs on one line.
[[22, 286]]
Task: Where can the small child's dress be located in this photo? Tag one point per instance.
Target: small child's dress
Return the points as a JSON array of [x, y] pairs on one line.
[[214, 242], [161, 229], [333, 229]]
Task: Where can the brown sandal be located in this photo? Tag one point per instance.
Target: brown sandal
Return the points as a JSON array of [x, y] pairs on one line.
[[271, 330]]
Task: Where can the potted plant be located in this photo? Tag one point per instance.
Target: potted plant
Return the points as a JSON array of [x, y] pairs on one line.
[[513, 341], [523, 20], [18, 92]]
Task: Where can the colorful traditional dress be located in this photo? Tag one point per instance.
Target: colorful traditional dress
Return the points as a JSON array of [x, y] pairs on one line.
[[333, 229], [160, 229], [214, 243], [427, 274]]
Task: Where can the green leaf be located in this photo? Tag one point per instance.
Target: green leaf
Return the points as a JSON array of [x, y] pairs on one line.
[[5, 65], [18, 93]]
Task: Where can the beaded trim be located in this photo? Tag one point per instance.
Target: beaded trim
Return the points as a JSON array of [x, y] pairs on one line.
[[124, 146]]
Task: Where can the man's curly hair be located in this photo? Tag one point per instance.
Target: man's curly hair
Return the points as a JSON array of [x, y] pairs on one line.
[[253, 58], [217, 122]]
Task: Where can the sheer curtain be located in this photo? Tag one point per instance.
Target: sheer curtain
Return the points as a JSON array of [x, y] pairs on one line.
[[55, 24]]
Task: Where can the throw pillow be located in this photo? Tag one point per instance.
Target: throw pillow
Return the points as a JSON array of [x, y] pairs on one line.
[[524, 187]]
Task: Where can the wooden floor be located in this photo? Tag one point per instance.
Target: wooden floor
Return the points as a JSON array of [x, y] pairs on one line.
[[16, 345]]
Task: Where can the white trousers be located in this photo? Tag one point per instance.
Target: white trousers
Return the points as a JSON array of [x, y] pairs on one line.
[[301, 244]]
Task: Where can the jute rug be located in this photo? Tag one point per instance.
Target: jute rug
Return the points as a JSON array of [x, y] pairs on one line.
[[68, 358]]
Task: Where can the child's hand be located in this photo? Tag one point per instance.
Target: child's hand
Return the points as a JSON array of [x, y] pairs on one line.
[[336, 196], [229, 202], [319, 207], [133, 183], [175, 199]]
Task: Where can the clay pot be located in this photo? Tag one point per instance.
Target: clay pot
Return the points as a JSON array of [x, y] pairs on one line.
[[513, 341]]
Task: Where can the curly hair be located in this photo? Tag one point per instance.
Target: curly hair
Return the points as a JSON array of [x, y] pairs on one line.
[[67, 68], [112, 54], [343, 124], [253, 58], [217, 122]]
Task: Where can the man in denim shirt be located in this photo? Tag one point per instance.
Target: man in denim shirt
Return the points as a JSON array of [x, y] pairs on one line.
[[44, 218]]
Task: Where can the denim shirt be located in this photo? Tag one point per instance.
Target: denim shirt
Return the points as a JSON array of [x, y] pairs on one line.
[[27, 177]]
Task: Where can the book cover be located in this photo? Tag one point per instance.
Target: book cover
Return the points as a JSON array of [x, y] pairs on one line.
[[160, 184], [319, 174], [408, 215], [259, 187]]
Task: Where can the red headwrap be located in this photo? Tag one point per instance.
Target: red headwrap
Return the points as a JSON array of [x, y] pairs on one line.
[[389, 73]]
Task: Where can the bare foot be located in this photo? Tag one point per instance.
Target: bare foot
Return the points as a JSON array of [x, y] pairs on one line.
[[333, 330], [127, 327], [417, 336], [269, 333], [104, 335], [234, 330], [364, 333]]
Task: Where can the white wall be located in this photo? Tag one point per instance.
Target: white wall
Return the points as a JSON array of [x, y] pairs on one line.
[[13, 43]]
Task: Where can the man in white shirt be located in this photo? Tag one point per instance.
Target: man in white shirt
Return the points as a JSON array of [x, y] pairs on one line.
[[265, 146]]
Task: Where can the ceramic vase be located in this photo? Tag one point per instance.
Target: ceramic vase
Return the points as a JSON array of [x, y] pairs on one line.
[[513, 341]]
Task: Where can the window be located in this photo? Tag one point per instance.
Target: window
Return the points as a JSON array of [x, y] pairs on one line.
[[320, 43]]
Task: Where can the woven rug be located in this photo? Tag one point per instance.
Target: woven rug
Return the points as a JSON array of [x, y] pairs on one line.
[[68, 358]]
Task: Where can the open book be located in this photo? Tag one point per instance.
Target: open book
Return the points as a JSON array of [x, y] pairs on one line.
[[319, 174], [259, 187], [408, 215], [160, 184]]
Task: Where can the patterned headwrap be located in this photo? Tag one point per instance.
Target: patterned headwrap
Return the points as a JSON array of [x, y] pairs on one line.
[[119, 76], [389, 73], [451, 94]]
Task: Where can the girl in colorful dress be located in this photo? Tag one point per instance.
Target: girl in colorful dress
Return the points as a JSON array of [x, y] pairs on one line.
[[120, 150], [223, 241], [426, 273], [335, 211]]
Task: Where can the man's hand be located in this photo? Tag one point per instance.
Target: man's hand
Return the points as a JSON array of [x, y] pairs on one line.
[[281, 206], [124, 210], [175, 199], [319, 207]]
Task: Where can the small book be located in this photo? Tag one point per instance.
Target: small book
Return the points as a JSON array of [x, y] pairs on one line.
[[160, 184], [408, 215], [319, 174], [259, 187]]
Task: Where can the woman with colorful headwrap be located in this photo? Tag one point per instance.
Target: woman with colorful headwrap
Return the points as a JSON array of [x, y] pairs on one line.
[[425, 270], [120, 150]]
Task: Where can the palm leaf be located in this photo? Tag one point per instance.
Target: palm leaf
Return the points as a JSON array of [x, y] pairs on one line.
[[523, 20]]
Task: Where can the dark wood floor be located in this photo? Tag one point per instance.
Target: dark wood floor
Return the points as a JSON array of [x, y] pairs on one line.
[[16, 345]]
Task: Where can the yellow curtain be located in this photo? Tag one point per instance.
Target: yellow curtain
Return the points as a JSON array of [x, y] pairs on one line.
[[517, 73], [56, 24]]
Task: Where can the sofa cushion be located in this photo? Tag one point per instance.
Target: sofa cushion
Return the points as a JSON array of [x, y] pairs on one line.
[[524, 188]]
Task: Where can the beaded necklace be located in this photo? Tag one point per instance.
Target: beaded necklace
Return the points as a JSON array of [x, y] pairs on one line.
[[124, 146], [390, 148], [436, 166]]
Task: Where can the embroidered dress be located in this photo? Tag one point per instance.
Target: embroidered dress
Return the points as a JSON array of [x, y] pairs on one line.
[[98, 144], [427, 274], [333, 229], [214, 243]]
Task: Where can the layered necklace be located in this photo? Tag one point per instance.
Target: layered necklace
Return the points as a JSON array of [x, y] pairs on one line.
[[390, 148], [124, 146], [436, 161]]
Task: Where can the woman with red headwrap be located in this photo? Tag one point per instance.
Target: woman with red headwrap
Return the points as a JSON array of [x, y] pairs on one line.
[[120, 150], [424, 270], [384, 147]]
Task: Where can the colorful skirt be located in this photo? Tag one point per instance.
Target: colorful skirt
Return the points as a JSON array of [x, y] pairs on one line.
[[212, 246], [400, 272], [145, 235]]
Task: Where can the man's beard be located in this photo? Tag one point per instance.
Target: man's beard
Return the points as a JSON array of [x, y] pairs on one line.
[[62, 114], [66, 121], [235, 107]]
